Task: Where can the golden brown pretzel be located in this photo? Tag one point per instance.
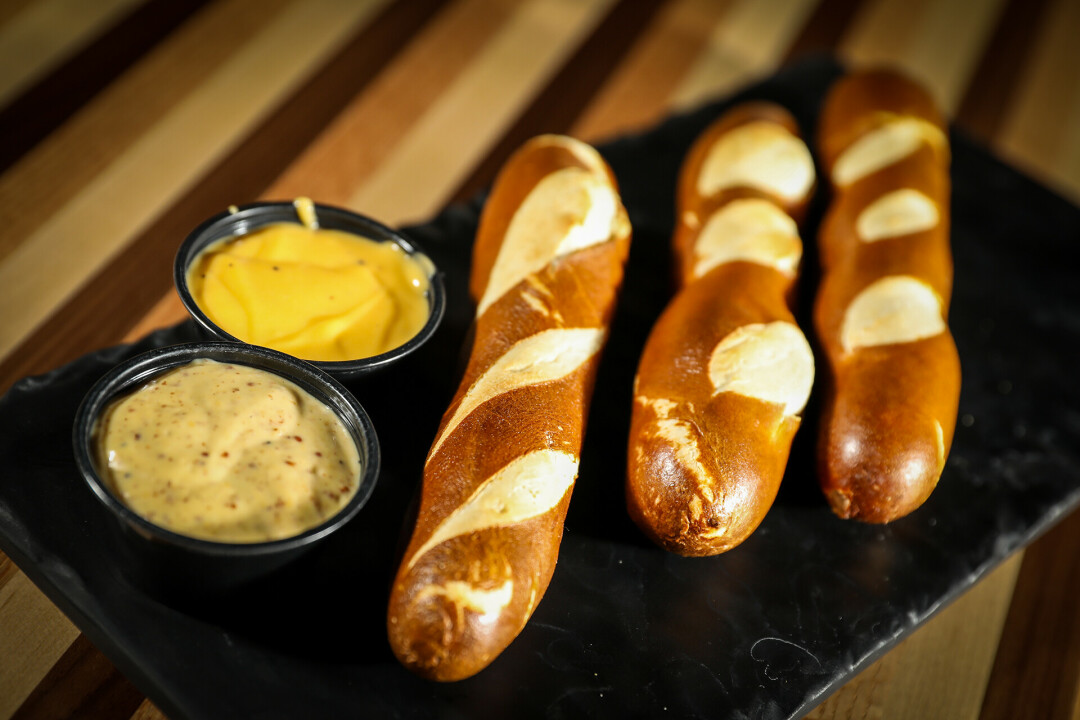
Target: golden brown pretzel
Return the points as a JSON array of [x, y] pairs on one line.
[[547, 266], [882, 306], [725, 371]]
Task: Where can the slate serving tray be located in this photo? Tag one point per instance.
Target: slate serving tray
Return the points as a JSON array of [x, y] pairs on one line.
[[625, 630]]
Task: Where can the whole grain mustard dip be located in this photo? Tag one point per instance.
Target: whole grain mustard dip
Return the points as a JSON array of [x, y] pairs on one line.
[[316, 293], [228, 453]]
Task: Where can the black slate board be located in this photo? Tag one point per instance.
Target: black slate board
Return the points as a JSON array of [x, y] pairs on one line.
[[625, 630]]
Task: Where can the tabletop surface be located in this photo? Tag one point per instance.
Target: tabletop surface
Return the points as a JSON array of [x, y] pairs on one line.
[[127, 122]]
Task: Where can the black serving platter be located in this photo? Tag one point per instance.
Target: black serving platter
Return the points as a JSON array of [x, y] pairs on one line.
[[625, 630]]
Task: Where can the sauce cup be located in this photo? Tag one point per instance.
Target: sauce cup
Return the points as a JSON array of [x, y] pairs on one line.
[[163, 561], [242, 220]]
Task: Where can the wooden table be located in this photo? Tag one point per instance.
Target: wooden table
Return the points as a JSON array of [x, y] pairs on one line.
[[124, 123]]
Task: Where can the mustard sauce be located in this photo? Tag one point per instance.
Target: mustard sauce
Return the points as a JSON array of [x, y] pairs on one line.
[[312, 292], [228, 453]]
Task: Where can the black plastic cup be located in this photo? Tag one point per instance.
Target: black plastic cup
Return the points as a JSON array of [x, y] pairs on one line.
[[165, 562], [242, 220]]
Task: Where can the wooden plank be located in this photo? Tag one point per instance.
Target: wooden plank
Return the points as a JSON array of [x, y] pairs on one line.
[[638, 93], [99, 134], [372, 126], [40, 36], [35, 636], [1036, 673], [881, 30], [566, 95], [421, 174], [82, 683], [750, 43], [1040, 133], [42, 107], [147, 711], [938, 43], [927, 675], [996, 82], [823, 29]]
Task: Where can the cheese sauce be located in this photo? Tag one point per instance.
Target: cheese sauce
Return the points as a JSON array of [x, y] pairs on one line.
[[316, 293], [228, 453]]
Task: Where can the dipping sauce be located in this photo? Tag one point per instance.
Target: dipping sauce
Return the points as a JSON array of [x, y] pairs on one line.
[[228, 453], [315, 293]]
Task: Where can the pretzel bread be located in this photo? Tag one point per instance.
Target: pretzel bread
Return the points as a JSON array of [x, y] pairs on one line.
[[547, 266], [880, 313], [725, 371]]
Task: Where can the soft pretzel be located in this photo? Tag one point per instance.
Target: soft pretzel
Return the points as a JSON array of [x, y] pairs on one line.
[[547, 265], [725, 372], [882, 306]]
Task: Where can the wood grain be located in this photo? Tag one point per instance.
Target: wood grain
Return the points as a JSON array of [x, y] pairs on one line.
[[1040, 133], [40, 36], [35, 636], [512, 67], [34, 114], [1036, 672]]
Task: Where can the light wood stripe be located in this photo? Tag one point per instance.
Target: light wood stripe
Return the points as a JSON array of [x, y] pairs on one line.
[[1037, 670], [938, 43], [160, 165], [35, 634], [928, 674], [664, 54], [1042, 134], [36, 188], [750, 43], [364, 135], [994, 86], [951, 40], [424, 169], [44, 106], [881, 31], [147, 711], [82, 683], [39, 37]]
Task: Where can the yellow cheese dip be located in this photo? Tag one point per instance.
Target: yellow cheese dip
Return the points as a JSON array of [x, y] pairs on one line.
[[228, 453], [315, 293]]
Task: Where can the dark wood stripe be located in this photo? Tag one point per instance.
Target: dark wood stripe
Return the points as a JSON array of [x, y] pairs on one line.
[[566, 96], [106, 307], [990, 93], [824, 29], [82, 684], [8, 570], [46, 105], [11, 8], [1037, 665]]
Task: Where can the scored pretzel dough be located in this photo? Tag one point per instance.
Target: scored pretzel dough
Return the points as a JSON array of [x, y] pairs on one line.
[[749, 229], [548, 355], [761, 155], [526, 487], [889, 143], [570, 209], [894, 309], [896, 213], [467, 596], [768, 361]]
